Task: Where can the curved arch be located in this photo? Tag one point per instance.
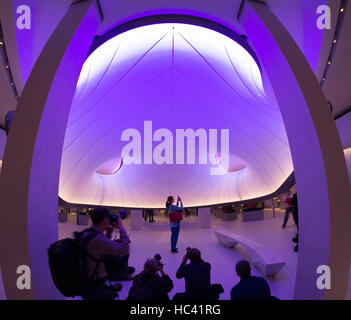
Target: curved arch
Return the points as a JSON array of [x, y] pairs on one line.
[[29, 182], [319, 163]]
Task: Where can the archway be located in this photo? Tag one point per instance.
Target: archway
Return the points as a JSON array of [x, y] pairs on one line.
[[38, 132]]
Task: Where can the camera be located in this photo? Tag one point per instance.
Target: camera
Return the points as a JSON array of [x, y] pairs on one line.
[[157, 257], [188, 249], [114, 217]]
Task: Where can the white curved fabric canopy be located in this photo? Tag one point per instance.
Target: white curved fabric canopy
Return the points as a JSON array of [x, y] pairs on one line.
[[177, 76]]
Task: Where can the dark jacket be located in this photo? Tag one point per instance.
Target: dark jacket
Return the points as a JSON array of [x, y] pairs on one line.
[[197, 279], [252, 288], [147, 287]]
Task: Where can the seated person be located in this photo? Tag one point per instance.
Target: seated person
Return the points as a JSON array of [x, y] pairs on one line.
[[197, 277], [117, 266], [249, 287], [98, 247], [149, 285]]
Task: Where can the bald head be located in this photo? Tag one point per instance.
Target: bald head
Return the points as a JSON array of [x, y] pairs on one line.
[[243, 269]]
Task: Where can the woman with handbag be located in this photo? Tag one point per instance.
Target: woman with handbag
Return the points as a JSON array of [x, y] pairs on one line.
[[175, 216]]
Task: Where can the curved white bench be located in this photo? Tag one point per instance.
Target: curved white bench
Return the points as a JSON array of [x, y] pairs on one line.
[[266, 260]]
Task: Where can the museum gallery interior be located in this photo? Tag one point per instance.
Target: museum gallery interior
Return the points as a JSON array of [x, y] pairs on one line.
[[235, 112]]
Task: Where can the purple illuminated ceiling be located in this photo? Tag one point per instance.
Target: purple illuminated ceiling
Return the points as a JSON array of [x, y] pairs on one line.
[[178, 76]]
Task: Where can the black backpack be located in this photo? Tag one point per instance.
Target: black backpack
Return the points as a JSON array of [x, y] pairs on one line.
[[67, 262]]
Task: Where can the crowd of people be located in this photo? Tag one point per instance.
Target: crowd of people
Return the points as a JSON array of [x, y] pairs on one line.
[[106, 247], [106, 262]]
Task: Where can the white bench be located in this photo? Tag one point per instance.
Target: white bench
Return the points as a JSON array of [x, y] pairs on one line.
[[267, 261]]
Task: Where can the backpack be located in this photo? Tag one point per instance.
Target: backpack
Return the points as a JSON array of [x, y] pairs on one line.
[[67, 262], [176, 216], [140, 290]]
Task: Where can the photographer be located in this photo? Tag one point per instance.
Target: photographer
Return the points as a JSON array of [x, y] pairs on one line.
[[149, 285], [117, 266], [98, 247], [197, 277]]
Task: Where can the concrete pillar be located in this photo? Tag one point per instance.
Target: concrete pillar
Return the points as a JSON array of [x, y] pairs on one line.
[[319, 163], [29, 178], [204, 216], [136, 219]]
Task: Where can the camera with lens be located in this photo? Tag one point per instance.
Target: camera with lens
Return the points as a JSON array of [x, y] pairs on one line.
[[157, 257], [114, 217], [188, 249]]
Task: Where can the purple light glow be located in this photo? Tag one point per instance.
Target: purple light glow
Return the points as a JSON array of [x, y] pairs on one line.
[[178, 76]]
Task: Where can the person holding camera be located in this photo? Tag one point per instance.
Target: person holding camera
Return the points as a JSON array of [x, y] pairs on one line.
[[152, 283], [175, 216], [197, 277], [117, 266], [100, 246]]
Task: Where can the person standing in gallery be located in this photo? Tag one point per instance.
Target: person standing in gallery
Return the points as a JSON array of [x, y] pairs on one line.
[[295, 212], [288, 208], [150, 214], [175, 225]]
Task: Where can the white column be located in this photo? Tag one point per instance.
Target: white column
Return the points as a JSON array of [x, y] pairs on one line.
[[136, 219], [204, 216]]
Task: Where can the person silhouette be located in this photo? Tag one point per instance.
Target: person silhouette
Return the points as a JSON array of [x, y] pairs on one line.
[[175, 226]]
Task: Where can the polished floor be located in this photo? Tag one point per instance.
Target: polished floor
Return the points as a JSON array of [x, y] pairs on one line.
[[155, 238]]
